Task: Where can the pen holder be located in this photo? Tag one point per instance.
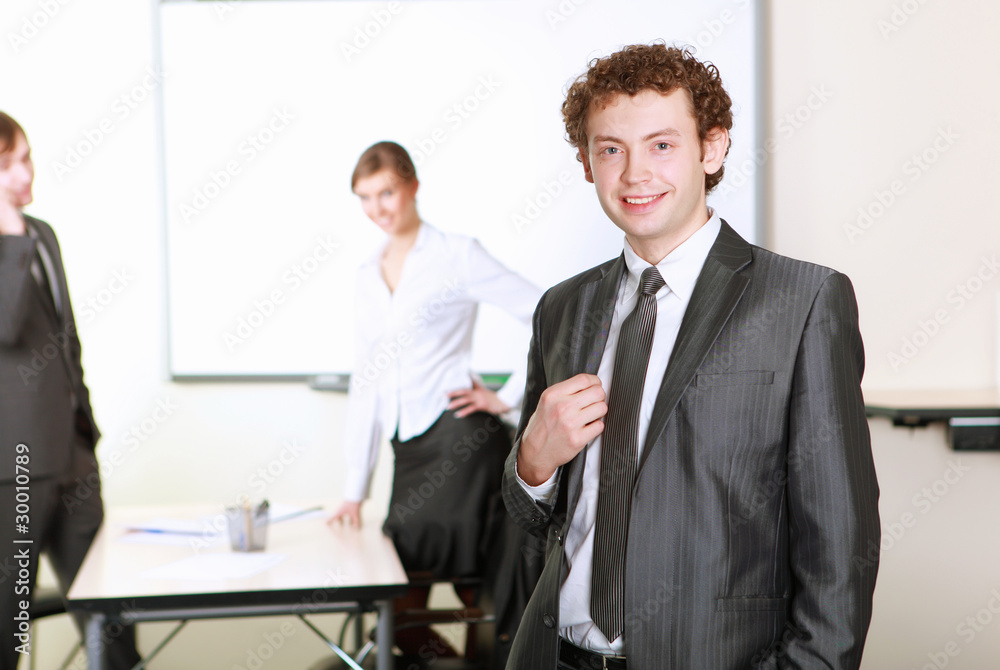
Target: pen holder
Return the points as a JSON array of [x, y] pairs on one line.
[[247, 527]]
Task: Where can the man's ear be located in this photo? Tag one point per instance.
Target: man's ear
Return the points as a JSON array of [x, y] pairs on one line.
[[714, 149], [585, 159]]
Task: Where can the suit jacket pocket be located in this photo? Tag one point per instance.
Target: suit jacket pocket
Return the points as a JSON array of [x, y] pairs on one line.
[[745, 378], [751, 604]]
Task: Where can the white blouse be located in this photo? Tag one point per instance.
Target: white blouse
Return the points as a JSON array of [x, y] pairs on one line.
[[414, 345]]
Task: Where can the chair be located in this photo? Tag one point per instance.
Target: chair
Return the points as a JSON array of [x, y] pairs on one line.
[[478, 638], [468, 590]]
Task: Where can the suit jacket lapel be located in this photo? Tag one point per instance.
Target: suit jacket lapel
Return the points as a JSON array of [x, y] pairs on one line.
[[590, 334], [593, 319], [46, 299], [60, 317], [716, 293]]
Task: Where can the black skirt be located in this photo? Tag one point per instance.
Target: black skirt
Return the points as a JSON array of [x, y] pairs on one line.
[[446, 508]]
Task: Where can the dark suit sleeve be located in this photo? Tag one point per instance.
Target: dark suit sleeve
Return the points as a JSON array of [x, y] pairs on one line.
[[832, 490], [16, 252], [531, 516]]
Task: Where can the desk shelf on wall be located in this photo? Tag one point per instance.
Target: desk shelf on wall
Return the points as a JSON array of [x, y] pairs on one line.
[[972, 416]]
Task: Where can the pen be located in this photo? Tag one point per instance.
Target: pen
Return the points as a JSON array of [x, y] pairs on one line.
[[292, 515]]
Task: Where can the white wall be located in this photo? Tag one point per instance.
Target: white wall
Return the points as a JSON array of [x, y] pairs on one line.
[[876, 101]]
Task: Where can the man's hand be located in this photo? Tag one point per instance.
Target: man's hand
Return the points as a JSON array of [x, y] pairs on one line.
[[568, 416], [477, 399], [348, 513]]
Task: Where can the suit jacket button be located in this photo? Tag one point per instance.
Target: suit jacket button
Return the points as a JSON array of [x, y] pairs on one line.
[[549, 620]]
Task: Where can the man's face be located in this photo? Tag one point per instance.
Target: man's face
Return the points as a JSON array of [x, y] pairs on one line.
[[17, 173], [649, 167], [388, 201]]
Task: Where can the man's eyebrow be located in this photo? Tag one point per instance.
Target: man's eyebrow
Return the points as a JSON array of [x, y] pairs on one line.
[[673, 132]]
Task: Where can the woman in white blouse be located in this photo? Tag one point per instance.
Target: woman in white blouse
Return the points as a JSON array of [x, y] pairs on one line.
[[417, 302]]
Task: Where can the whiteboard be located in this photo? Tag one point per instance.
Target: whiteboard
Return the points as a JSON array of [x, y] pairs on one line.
[[266, 106]]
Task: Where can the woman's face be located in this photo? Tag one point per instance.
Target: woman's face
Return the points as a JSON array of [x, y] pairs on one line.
[[389, 201], [17, 173]]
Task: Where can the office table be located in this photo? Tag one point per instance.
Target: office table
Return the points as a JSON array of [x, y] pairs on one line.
[[326, 569]]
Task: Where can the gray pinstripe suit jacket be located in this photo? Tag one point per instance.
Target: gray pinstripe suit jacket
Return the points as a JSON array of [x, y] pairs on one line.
[[754, 531], [40, 368]]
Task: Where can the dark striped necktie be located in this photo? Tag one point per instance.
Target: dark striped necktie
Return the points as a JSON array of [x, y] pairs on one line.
[[42, 277], [619, 458]]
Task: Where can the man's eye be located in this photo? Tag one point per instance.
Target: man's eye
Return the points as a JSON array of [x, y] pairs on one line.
[[611, 150], [662, 146]]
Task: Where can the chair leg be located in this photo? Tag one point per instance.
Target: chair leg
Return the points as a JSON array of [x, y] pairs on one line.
[[420, 640], [467, 595]]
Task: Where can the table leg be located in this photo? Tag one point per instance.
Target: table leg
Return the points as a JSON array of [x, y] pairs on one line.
[[384, 636], [94, 641]]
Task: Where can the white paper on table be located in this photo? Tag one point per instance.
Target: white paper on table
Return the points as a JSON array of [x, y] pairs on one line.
[[215, 566]]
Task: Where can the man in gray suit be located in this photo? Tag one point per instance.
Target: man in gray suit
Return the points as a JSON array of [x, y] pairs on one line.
[[693, 442], [50, 495]]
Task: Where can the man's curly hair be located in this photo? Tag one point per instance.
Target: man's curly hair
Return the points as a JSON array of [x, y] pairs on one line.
[[650, 66]]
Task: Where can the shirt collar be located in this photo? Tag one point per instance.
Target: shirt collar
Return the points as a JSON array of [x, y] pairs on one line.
[[681, 267], [425, 231]]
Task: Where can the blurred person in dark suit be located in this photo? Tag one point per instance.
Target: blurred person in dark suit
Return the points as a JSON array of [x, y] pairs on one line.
[[50, 489]]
